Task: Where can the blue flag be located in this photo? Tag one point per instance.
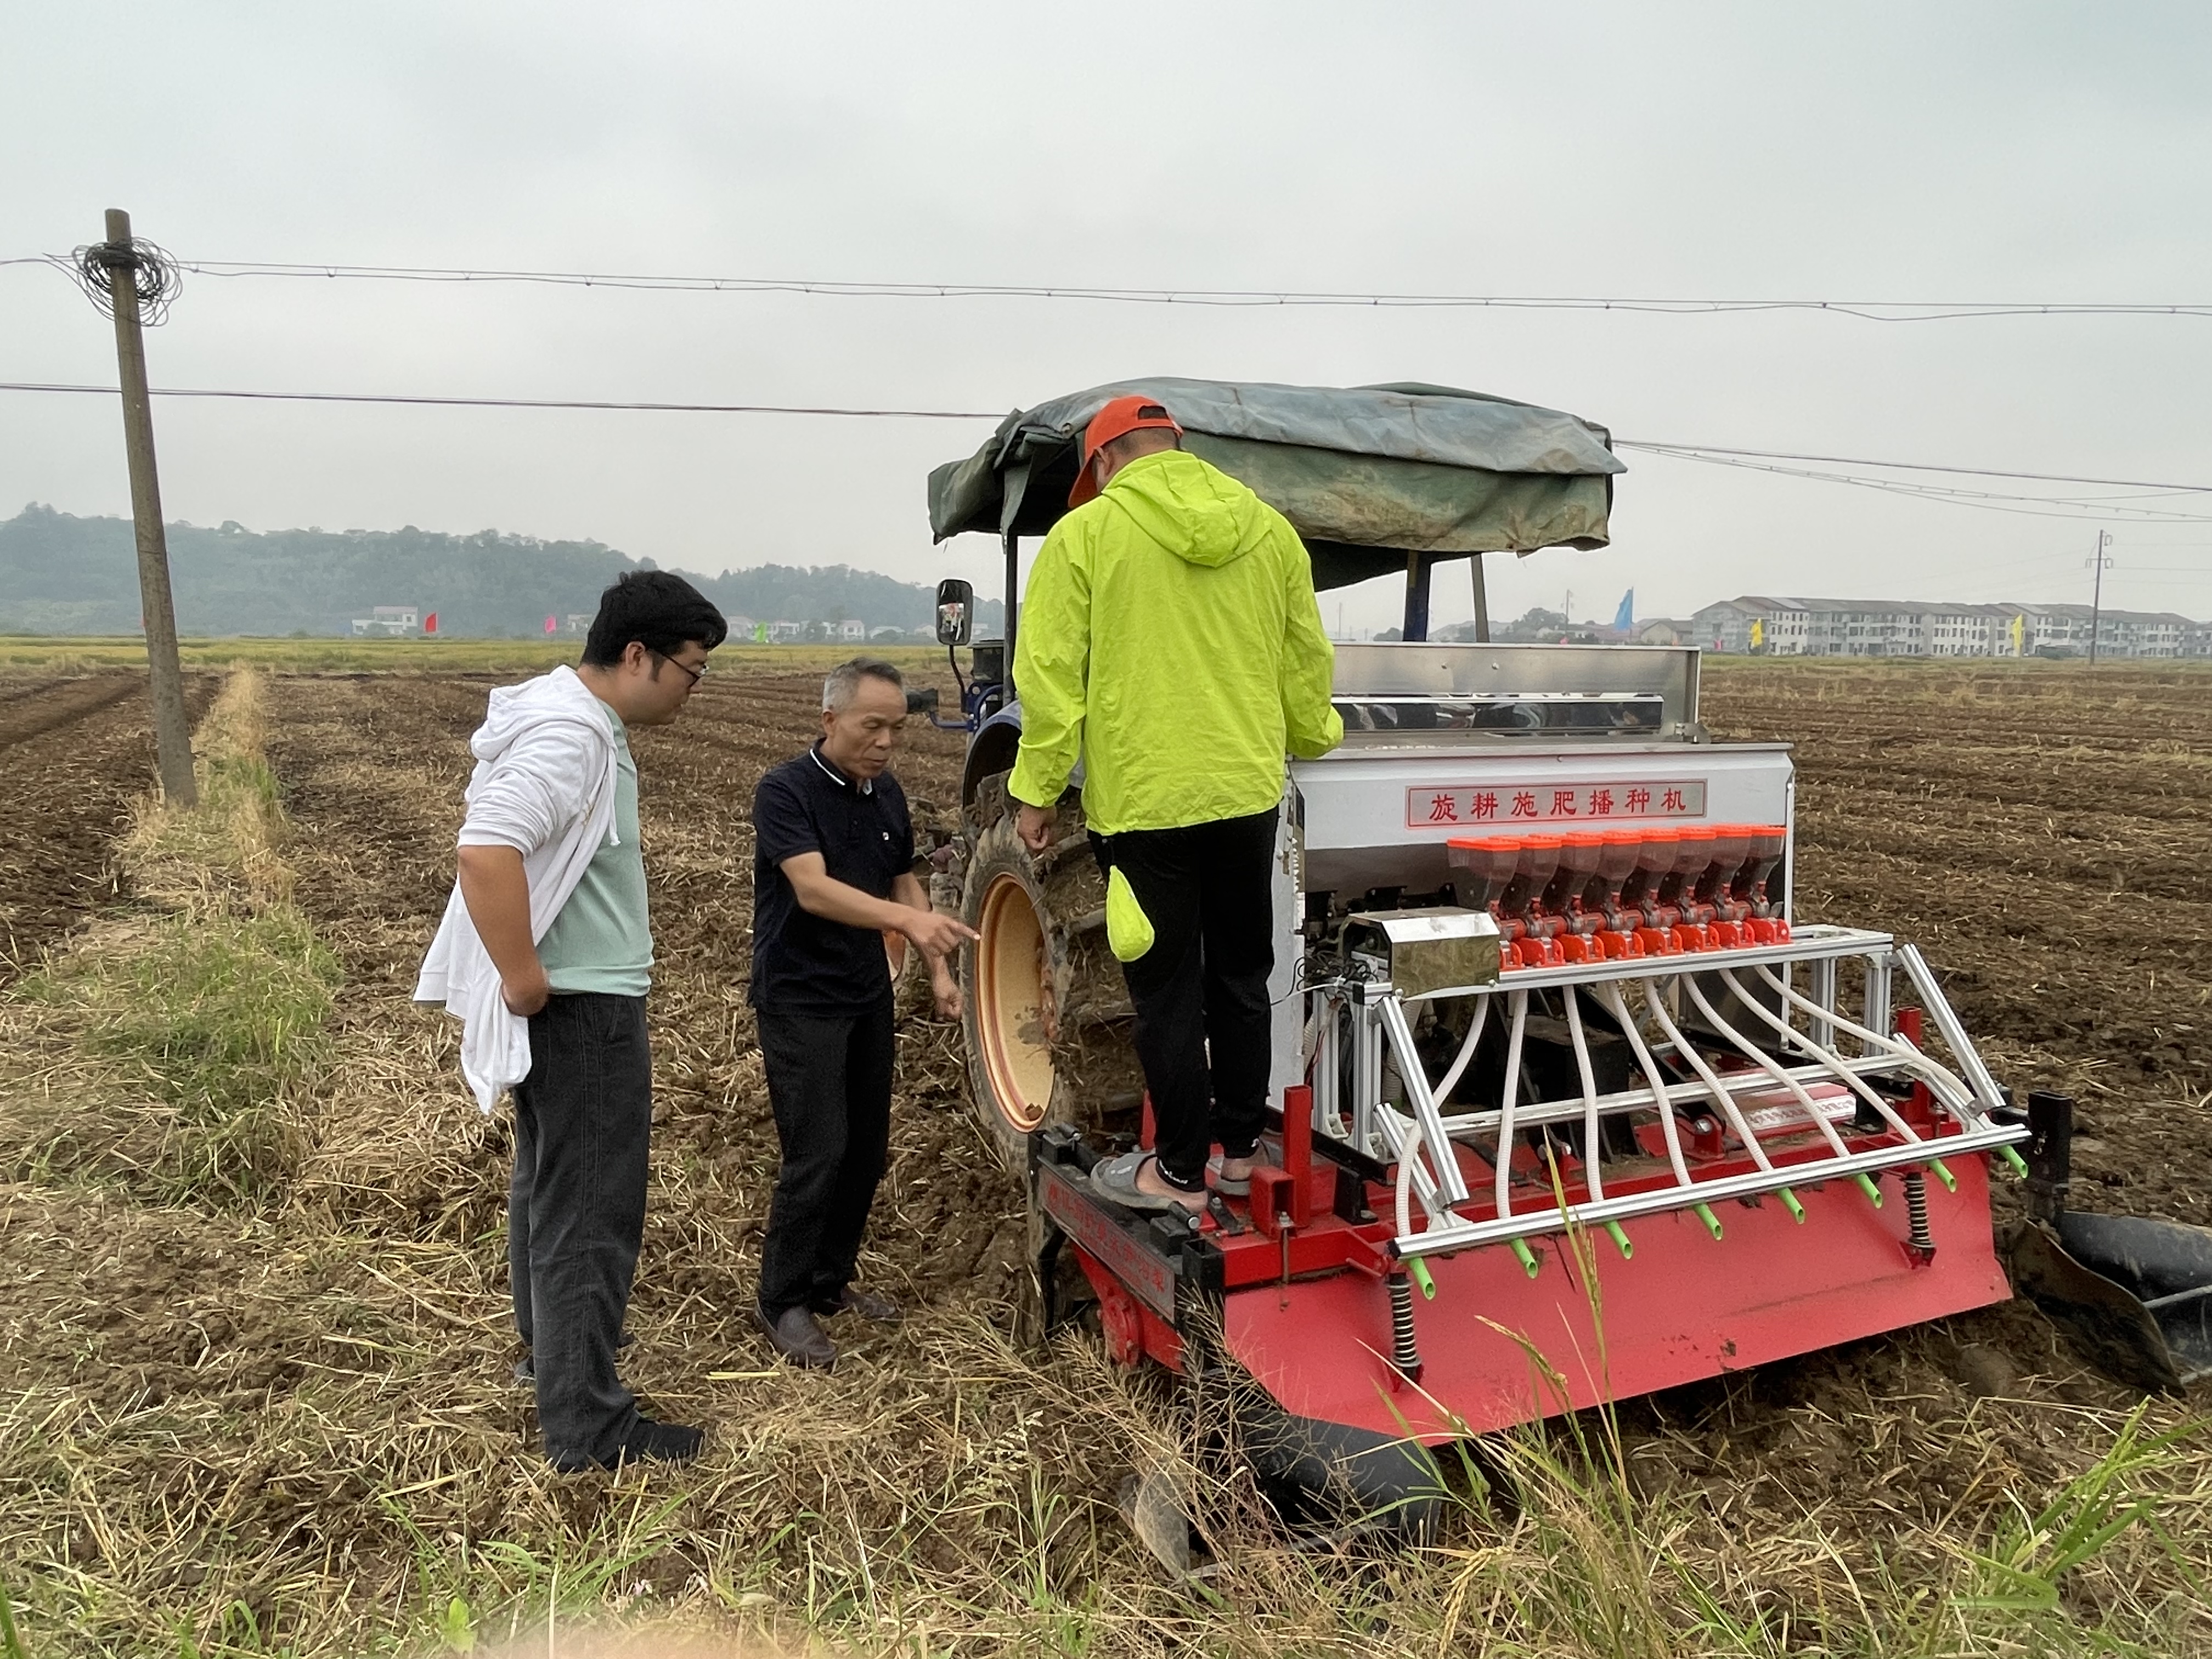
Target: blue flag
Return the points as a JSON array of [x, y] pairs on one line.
[[1625, 618]]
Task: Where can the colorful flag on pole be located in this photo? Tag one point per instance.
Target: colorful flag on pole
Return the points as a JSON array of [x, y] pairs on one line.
[[759, 633], [1758, 632], [551, 626], [430, 623], [1625, 618], [2019, 636]]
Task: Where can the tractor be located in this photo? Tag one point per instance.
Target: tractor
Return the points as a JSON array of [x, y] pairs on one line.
[[1568, 1104]]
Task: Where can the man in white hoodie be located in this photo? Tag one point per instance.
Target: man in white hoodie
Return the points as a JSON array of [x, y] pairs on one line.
[[546, 954]]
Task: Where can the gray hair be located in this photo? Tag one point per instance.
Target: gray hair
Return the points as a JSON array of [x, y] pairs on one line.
[[845, 679]]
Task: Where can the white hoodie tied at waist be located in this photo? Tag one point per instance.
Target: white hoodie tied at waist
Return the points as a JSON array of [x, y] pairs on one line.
[[544, 785]]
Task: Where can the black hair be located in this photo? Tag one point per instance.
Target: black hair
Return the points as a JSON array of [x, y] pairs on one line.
[[658, 610]]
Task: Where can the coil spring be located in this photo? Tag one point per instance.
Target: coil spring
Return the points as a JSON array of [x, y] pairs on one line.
[[1405, 1353], [1915, 1214]]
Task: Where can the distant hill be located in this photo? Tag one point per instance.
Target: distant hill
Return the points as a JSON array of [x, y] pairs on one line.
[[64, 575]]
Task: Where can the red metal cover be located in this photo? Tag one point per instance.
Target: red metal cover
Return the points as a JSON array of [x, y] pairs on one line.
[[1685, 1308]]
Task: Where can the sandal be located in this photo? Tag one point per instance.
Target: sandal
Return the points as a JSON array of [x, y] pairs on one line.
[[1114, 1180]]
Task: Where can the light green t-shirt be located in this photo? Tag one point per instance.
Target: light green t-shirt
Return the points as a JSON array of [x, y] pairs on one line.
[[602, 940]]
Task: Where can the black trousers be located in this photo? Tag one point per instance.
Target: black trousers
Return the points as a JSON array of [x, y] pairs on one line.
[[1202, 988], [829, 1086], [576, 1211]]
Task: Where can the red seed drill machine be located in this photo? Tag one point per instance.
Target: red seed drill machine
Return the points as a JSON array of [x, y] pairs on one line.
[[1570, 1104]]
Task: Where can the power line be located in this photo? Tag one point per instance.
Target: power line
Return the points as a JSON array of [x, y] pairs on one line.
[[2044, 507], [1888, 311], [1686, 451], [524, 403], [1995, 501]]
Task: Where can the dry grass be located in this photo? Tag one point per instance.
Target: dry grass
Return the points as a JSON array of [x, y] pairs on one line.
[[167, 1050], [229, 848], [278, 1420]]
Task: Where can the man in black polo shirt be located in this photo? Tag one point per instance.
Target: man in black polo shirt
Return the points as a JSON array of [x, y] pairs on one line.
[[833, 882]]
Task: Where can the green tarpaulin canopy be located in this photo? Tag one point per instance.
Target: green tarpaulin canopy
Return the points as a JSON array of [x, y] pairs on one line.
[[1366, 474]]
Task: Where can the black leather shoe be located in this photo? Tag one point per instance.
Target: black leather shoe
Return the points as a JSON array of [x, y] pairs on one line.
[[794, 1335], [647, 1442], [875, 1309]]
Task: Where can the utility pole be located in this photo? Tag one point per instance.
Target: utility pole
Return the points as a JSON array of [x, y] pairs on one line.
[[1481, 601], [172, 739], [2099, 559]]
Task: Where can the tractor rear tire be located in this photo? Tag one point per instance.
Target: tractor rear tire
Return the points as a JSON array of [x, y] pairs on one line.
[[1047, 1015]]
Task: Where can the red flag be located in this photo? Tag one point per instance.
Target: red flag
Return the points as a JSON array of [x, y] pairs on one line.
[[550, 626], [430, 623]]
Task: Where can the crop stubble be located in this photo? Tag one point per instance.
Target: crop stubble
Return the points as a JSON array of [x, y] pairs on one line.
[[2022, 835], [375, 772], [2039, 847]]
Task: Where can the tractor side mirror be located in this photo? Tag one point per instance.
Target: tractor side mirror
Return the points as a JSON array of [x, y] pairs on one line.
[[956, 609]]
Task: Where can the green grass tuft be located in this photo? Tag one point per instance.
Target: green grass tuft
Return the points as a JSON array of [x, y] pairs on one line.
[[223, 1011], [219, 1010], [218, 1017]]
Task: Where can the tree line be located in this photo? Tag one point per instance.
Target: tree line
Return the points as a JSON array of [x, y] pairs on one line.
[[60, 574]]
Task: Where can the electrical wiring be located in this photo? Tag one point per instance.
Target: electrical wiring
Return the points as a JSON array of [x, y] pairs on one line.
[[2045, 506], [1891, 311], [1866, 310], [640, 407], [154, 275], [1908, 466], [2076, 505]]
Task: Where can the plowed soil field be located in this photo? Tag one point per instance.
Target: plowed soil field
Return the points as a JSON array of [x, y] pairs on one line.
[[75, 750], [373, 771], [2044, 836], [228, 1406]]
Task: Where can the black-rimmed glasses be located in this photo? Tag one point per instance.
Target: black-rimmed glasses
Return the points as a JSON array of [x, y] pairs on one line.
[[696, 674]]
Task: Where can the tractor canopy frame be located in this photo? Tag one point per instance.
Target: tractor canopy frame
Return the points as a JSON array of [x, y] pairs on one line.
[[1375, 479]]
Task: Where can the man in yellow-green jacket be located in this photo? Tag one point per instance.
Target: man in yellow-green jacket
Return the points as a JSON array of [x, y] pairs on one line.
[[1170, 641]]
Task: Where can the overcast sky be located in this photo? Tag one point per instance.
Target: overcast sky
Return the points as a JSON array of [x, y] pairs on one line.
[[2015, 152]]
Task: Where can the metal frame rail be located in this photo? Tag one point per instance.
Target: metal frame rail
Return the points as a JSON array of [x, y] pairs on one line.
[[1728, 1063]]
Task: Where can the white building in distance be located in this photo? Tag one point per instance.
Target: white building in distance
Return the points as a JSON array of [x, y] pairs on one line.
[[1789, 626], [388, 620]]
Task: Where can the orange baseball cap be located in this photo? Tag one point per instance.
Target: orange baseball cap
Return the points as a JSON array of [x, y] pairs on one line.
[[1119, 418]]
